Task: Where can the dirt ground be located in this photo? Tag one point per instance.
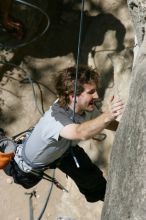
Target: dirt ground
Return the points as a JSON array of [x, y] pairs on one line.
[[107, 33]]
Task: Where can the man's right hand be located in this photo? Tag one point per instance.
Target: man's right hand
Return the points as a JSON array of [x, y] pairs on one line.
[[116, 108]]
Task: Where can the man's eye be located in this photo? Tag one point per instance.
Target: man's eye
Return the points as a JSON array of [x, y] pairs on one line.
[[92, 91]]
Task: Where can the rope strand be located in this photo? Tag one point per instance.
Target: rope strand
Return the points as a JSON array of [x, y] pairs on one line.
[[77, 72], [78, 58]]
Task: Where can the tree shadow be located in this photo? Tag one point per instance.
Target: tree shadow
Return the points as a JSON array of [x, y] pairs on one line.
[[61, 38], [95, 30]]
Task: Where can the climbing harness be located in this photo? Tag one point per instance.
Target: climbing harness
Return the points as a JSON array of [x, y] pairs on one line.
[[38, 170]]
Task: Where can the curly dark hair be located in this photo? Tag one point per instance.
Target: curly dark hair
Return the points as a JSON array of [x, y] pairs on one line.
[[65, 82]]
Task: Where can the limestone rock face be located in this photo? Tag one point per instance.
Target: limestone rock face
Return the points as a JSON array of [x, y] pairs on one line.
[[126, 190]]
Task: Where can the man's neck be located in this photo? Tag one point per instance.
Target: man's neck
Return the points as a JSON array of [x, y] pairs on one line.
[[77, 111]]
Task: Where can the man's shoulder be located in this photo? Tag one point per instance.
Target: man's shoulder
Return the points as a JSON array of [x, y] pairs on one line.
[[60, 114], [56, 108]]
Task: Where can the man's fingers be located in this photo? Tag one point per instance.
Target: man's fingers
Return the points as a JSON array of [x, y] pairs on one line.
[[117, 108], [118, 104]]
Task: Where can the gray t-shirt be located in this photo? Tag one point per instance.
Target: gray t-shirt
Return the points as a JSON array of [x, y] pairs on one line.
[[44, 145]]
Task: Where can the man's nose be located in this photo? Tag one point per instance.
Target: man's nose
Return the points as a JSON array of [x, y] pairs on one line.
[[95, 95]]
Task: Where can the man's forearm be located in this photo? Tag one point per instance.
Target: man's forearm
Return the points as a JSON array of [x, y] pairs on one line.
[[90, 128]]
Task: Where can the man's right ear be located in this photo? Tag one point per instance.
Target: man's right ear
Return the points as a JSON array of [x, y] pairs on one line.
[[71, 97]]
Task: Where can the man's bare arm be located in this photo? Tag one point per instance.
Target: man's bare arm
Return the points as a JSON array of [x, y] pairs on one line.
[[92, 127]]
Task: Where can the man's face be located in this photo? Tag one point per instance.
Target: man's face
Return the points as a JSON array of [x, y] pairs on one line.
[[85, 101]]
